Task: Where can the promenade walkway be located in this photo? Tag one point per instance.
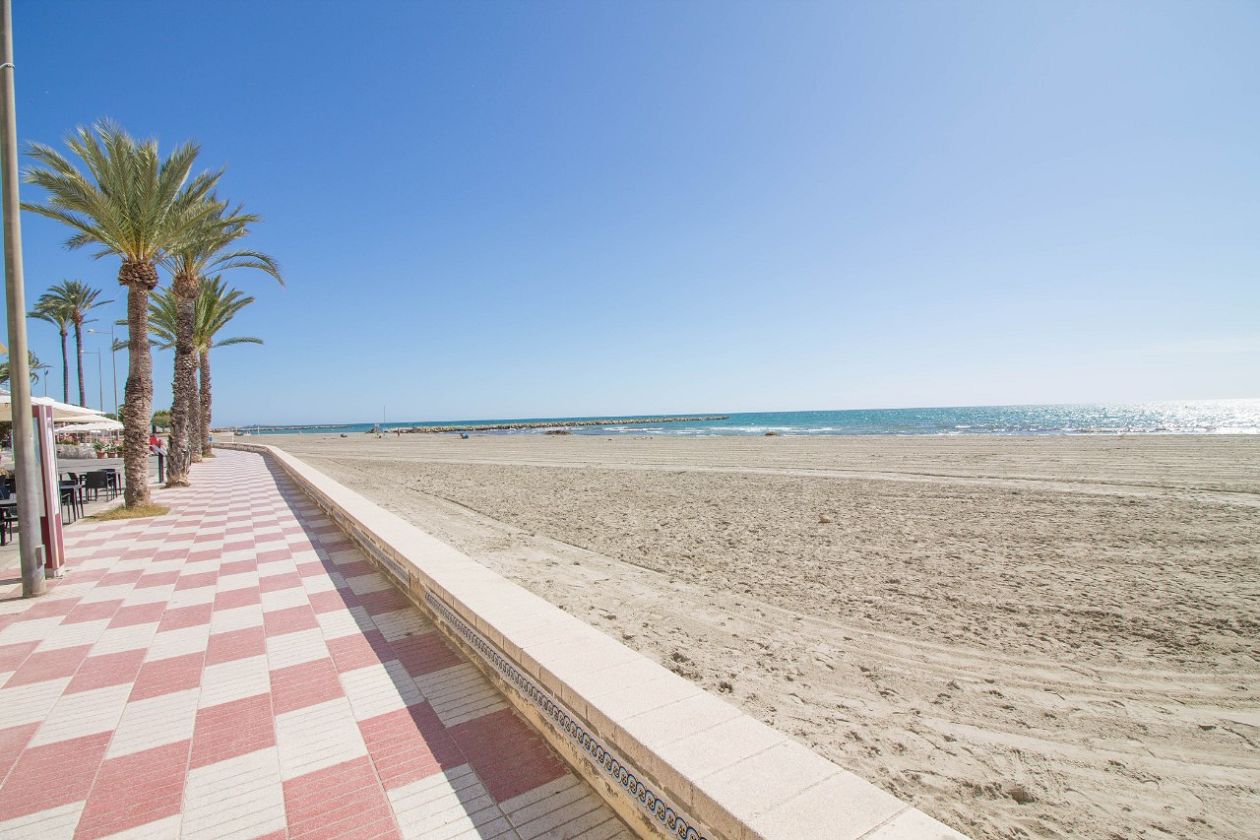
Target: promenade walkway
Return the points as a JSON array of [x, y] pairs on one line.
[[237, 669]]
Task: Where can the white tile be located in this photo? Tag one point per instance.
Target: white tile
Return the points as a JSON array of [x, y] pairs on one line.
[[181, 642], [571, 811], [317, 583], [460, 693], [344, 622], [400, 623], [379, 689], [316, 737], [235, 680], [237, 618], [119, 639], [363, 584], [83, 713], [283, 599], [29, 703], [50, 824], [29, 630], [241, 797], [154, 722], [271, 568], [446, 805], [296, 648], [73, 635], [240, 580]]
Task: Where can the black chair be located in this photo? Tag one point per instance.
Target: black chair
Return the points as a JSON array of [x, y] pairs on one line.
[[8, 517], [96, 482], [71, 500], [112, 475]]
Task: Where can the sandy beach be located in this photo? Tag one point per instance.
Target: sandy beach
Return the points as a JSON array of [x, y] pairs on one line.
[[1024, 637]]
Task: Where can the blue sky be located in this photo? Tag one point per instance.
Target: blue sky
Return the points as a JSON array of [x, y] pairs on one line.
[[549, 209]]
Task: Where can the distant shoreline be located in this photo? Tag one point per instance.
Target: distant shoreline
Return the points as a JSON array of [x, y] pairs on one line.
[[507, 426], [542, 424]]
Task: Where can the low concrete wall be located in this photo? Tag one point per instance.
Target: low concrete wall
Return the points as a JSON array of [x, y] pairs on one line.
[[671, 759]]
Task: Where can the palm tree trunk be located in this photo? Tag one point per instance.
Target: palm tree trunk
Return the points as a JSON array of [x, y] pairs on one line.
[[185, 385], [194, 415], [78, 346], [140, 279], [206, 451], [65, 370]]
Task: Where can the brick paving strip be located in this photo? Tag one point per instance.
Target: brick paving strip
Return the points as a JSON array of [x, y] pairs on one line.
[[237, 669]]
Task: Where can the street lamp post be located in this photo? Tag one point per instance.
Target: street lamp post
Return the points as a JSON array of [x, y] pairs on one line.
[[25, 466], [113, 363]]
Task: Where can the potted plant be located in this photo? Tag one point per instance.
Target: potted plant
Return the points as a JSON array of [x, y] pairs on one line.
[[99, 446]]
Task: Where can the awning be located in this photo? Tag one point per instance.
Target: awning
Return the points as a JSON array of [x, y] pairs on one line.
[[96, 426], [61, 411]]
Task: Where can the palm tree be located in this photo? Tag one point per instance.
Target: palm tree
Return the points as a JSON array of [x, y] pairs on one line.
[[54, 311], [208, 252], [34, 363], [139, 208], [76, 299], [217, 304]]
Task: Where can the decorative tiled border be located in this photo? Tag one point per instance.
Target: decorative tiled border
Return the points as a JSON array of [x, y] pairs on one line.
[[612, 763]]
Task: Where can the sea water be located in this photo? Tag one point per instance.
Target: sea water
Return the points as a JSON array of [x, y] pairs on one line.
[[1189, 417]]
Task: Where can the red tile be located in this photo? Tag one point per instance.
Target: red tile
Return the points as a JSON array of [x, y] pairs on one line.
[[299, 686], [274, 554], [116, 578], [424, 653], [106, 670], [231, 729], [509, 757], [165, 676], [52, 775], [205, 554], [92, 612], [409, 744], [291, 620], [12, 741], [386, 600], [209, 536], [332, 600], [49, 608], [138, 614], [134, 790], [238, 545], [311, 568], [234, 598], [197, 581], [358, 567], [174, 619], [238, 644], [11, 656], [343, 801], [157, 579], [236, 567], [49, 665], [359, 650], [274, 583]]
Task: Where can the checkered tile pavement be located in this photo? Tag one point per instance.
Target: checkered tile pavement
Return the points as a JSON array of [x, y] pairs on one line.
[[237, 669]]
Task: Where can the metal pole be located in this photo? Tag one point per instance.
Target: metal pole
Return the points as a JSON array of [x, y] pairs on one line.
[[27, 479], [113, 362]]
